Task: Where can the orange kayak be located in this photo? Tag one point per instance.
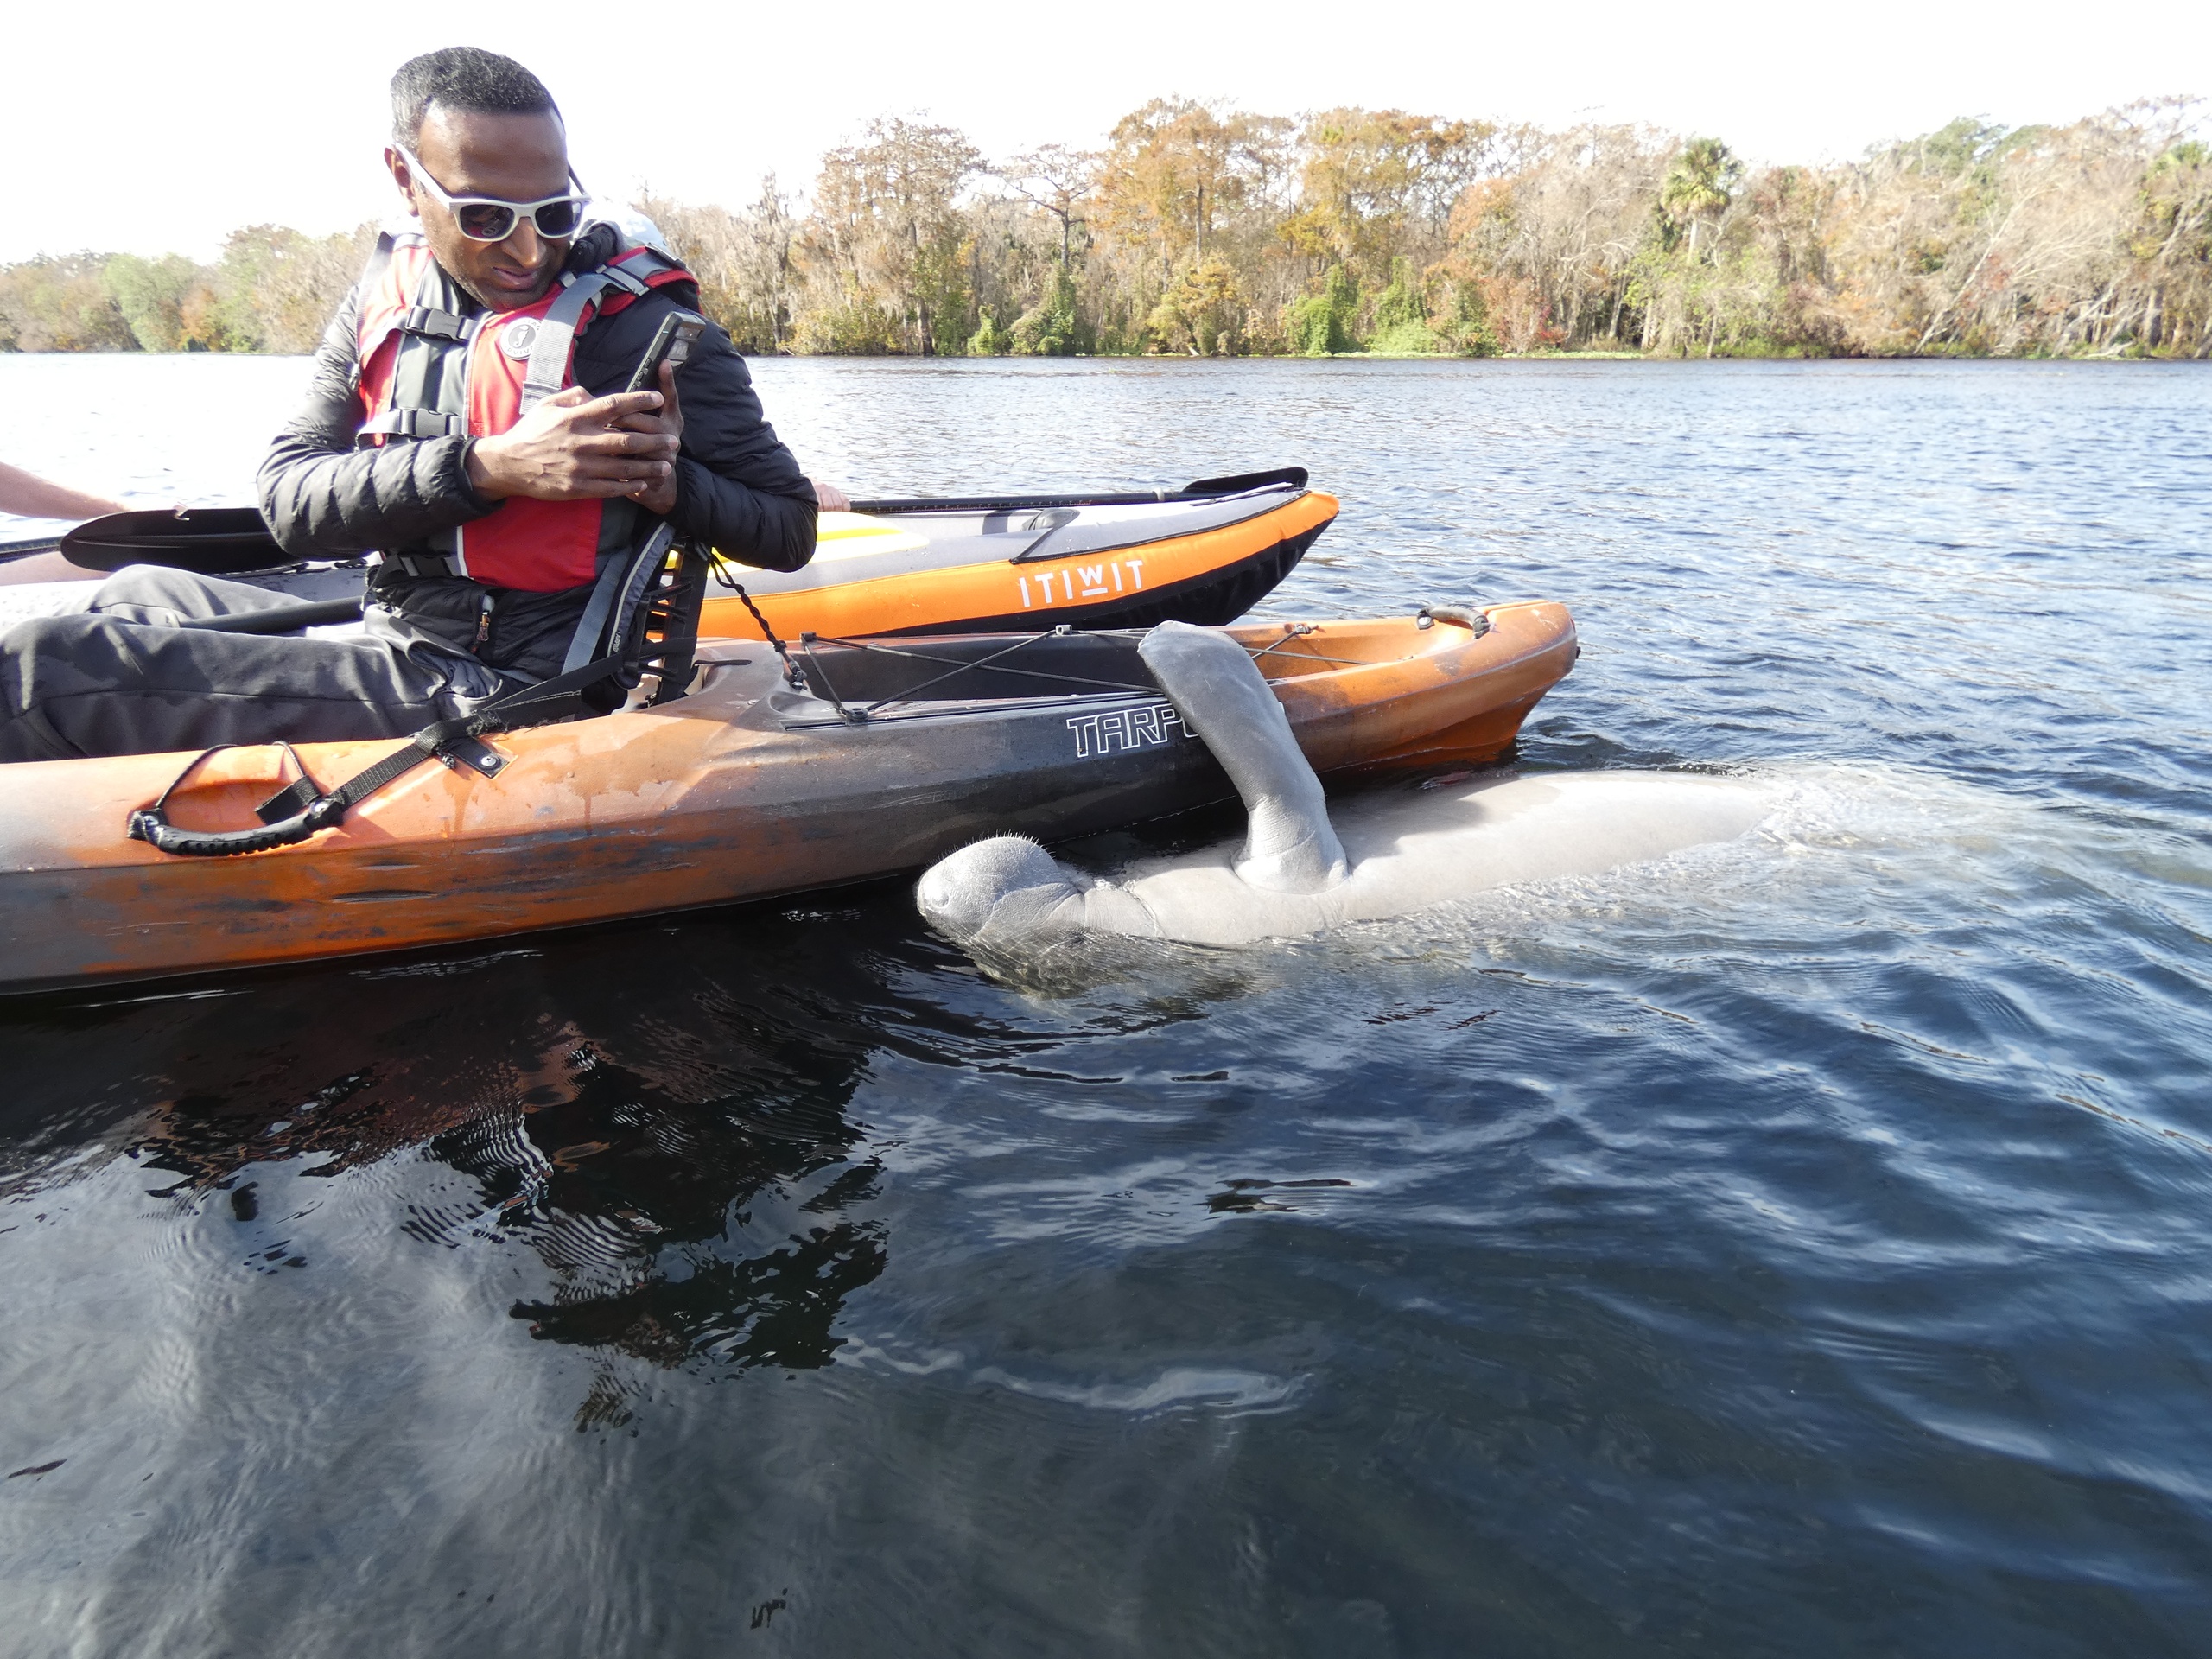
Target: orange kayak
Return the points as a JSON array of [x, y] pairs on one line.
[[891, 755], [925, 567], [1205, 554]]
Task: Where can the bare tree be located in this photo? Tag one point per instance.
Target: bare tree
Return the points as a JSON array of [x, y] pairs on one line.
[[1056, 180]]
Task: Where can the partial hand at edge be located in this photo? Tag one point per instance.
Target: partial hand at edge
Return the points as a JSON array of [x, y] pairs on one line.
[[37, 498]]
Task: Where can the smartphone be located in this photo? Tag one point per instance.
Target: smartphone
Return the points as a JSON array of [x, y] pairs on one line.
[[679, 331]]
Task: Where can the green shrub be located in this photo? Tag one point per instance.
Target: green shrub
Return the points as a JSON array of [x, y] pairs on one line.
[[989, 340], [1320, 324]]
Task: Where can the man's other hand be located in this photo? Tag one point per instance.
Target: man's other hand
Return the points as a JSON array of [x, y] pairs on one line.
[[831, 499], [573, 447]]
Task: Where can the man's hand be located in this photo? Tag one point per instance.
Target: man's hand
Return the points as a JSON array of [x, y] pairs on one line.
[[829, 499], [573, 447]]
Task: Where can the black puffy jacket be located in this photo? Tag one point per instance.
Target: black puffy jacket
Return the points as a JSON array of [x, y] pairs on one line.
[[738, 487]]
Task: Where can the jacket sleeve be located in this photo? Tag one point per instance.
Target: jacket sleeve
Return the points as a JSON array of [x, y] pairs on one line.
[[737, 487], [323, 499]]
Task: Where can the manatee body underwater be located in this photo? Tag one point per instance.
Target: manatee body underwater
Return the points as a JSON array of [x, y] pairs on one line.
[[1300, 871]]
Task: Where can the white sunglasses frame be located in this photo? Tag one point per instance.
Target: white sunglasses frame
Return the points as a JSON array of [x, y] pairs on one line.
[[520, 209]]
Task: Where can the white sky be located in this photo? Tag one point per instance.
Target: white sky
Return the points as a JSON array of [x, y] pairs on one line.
[[158, 128]]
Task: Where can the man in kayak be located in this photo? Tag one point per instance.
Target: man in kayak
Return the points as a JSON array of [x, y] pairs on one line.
[[467, 420]]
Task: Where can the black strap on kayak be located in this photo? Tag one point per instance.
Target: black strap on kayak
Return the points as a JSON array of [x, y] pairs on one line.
[[303, 810], [650, 616]]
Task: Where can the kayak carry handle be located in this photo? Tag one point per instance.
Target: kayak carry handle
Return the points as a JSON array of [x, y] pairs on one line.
[[1466, 616], [151, 825], [452, 742]]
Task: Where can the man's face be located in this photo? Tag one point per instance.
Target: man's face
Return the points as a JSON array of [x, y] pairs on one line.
[[511, 157]]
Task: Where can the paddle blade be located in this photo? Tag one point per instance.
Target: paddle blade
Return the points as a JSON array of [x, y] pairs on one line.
[[209, 541]]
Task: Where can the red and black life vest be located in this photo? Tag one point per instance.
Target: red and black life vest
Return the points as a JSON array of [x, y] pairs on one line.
[[428, 371]]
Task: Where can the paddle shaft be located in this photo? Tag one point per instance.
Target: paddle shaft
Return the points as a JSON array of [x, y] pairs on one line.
[[233, 540]]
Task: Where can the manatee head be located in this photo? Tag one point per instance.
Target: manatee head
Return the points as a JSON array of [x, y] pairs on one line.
[[1007, 892]]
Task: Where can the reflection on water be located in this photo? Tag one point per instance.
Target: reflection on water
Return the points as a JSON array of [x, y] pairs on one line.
[[1801, 1246], [613, 1107]]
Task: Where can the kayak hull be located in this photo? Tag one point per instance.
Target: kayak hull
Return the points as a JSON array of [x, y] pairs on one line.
[[1112, 566], [745, 789]]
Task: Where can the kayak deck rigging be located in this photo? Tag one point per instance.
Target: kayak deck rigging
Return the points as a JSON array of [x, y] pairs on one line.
[[864, 688]]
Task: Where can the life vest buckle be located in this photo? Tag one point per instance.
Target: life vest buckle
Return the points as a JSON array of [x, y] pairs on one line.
[[433, 324]]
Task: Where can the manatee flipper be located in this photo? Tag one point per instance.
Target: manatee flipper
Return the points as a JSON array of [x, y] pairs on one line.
[[1219, 691]]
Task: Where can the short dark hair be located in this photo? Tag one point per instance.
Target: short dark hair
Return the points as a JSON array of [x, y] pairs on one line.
[[463, 77]]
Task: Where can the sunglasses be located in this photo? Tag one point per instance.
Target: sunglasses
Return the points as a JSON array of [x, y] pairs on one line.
[[486, 218]]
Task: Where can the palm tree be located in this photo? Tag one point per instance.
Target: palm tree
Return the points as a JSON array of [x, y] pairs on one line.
[[1697, 186]]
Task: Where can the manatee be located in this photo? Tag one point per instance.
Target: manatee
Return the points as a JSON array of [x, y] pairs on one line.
[[1298, 871]]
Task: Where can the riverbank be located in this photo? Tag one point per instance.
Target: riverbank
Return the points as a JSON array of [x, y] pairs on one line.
[[1204, 230]]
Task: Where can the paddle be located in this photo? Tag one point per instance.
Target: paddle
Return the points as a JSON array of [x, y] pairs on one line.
[[208, 541], [10, 551], [230, 541]]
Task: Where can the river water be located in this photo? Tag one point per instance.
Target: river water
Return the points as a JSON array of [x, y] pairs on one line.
[[1800, 1247]]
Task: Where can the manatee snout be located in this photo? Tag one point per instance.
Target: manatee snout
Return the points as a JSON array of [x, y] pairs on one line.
[[1007, 885]]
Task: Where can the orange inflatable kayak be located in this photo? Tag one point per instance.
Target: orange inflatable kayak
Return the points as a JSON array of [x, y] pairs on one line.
[[1205, 554], [890, 754]]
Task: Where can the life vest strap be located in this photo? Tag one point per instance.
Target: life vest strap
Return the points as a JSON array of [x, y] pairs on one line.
[[436, 324], [424, 564], [622, 578], [415, 423], [636, 271], [556, 337], [557, 331]]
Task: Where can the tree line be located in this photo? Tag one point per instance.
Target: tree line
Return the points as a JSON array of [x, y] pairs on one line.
[[1199, 229]]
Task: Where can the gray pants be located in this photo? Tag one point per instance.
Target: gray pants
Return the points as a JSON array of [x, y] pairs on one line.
[[123, 678]]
